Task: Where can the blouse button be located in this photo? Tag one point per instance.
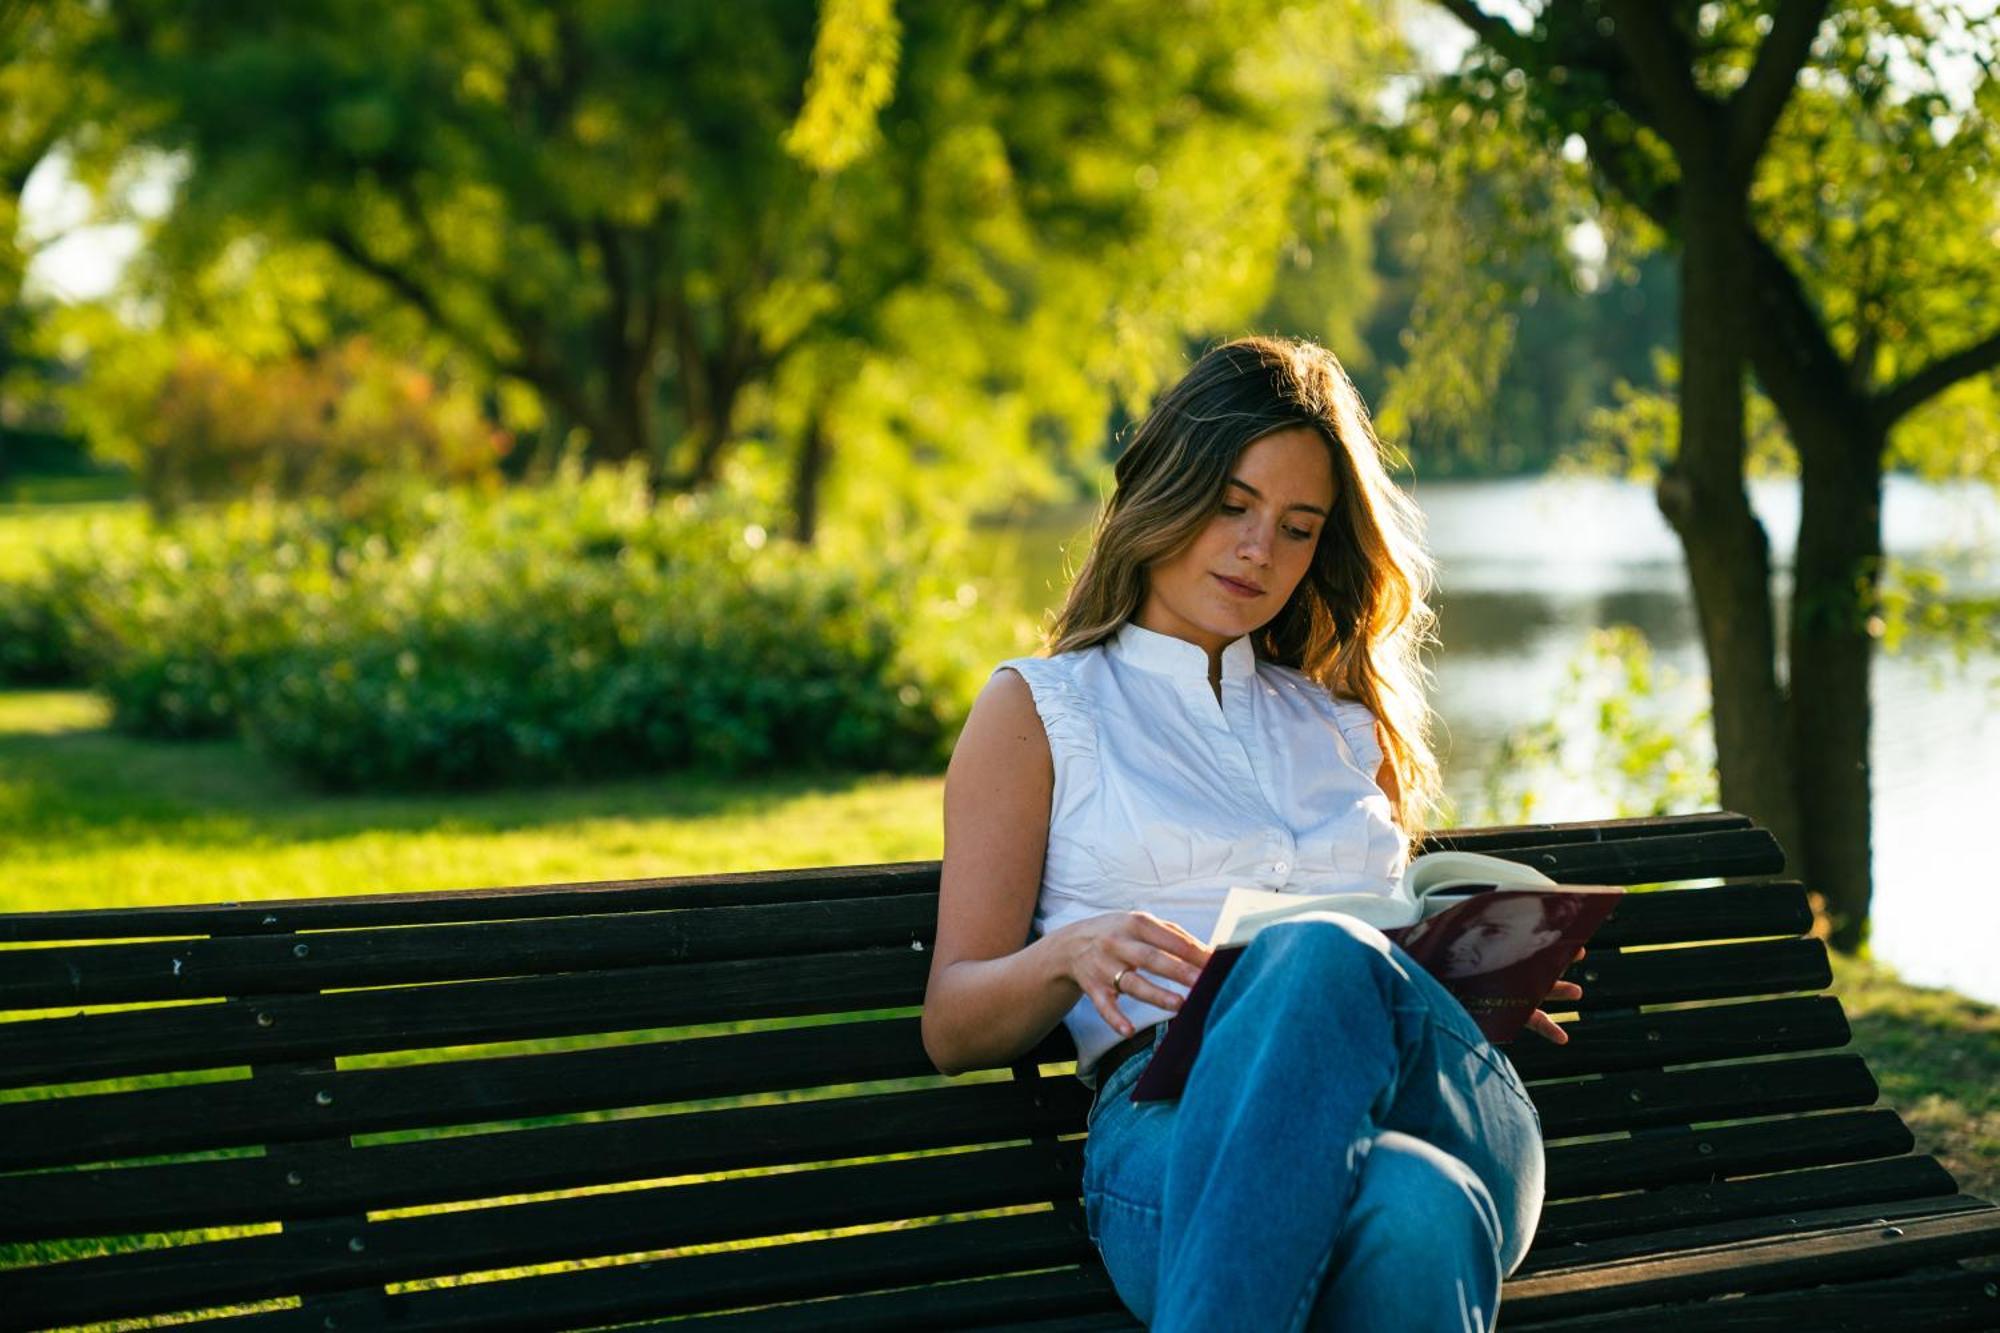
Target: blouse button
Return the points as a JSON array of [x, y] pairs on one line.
[[1280, 866]]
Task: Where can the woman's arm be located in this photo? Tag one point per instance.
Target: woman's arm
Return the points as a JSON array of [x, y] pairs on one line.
[[989, 999], [992, 996]]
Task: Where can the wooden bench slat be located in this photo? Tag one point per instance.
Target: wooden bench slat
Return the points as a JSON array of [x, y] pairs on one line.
[[322, 960], [1847, 1253], [50, 978], [1602, 1043], [1576, 1169], [720, 1280], [1485, 839], [1550, 1255], [660, 893], [1939, 1302], [1727, 854], [300, 1027], [345, 1181], [209, 1273], [435, 906], [287, 1107], [1075, 1298], [1756, 1196], [291, 1106], [1720, 912], [1701, 972], [1641, 1099]]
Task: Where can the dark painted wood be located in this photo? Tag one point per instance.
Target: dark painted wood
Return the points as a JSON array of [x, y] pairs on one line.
[[1926, 1302], [802, 1270], [451, 1092], [208, 1273], [1550, 1255], [650, 956], [1644, 1098], [1722, 836], [292, 964], [1758, 1196], [1846, 1254], [456, 1092], [303, 1027], [524, 1161], [1034, 1298], [1602, 1043], [1576, 1169]]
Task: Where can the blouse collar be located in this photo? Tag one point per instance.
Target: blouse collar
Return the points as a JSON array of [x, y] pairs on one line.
[[1150, 650]]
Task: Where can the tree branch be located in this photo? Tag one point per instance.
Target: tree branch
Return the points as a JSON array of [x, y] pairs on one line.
[[1754, 110], [1663, 66], [1496, 33], [1897, 402]]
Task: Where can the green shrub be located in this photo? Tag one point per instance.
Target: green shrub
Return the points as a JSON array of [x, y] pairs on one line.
[[38, 618], [571, 630]]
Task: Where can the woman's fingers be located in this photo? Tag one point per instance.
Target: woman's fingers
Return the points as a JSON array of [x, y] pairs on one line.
[[1566, 990], [1542, 1025]]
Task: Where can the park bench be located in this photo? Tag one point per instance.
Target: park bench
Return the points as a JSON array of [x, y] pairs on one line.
[[705, 1100]]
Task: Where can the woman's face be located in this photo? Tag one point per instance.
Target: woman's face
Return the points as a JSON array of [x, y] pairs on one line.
[[1238, 573]]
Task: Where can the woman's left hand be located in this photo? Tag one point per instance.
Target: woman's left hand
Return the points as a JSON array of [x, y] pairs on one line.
[[1541, 1023]]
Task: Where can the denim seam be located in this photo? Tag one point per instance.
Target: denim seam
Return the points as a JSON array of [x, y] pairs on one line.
[[1505, 1072], [1105, 1196]]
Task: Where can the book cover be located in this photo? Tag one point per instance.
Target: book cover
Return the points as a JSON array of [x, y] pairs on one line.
[[1498, 948]]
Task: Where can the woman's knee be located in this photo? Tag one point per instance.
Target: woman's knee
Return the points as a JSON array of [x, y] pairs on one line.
[[1321, 950], [1418, 1193]]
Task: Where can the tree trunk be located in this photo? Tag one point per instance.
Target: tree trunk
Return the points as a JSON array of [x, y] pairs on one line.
[[1702, 495], [814, 451], [1835, 579]]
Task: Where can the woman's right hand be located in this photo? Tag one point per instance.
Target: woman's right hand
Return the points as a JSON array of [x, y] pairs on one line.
[[1098, 948]]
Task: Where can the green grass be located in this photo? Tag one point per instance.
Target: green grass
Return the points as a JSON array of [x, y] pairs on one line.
[[1937, 1056], [29, 532], [91, 818]]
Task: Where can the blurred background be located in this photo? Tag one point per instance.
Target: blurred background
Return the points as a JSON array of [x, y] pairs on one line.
[[490, 442]]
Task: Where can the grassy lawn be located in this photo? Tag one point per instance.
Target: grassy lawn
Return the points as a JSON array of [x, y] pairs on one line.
[[91, 818], [30, 531]]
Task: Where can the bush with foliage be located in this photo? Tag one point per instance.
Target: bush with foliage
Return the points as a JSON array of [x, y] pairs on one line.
[[568, 630], [199, 420], [38, 615]]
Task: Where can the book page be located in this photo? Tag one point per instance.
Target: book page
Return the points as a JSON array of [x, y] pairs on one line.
[[1247, 911]]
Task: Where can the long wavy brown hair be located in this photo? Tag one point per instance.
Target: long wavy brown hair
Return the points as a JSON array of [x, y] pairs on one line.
[[1359, 620]]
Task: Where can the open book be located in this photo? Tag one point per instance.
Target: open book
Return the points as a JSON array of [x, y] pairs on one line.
[[1496, 933]]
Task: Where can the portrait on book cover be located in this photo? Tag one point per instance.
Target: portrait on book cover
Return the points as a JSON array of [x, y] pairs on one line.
[[1503, 930]]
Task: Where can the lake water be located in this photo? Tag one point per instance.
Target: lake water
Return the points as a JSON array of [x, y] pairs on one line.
[[1528, 569]]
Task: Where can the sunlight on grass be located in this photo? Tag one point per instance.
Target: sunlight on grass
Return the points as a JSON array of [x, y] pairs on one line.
[[31, 532], [91, 818], [1937, 1056]]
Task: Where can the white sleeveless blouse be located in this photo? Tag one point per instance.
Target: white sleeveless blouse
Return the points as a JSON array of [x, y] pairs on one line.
[[1164, 798]]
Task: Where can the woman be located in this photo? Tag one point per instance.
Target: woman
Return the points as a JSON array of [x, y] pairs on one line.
[[1234, 697]]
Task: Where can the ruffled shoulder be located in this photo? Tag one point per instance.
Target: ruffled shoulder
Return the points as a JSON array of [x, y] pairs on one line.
[[1065, 712]]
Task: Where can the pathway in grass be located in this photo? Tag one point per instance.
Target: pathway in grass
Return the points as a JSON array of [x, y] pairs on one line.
[[90, 818]]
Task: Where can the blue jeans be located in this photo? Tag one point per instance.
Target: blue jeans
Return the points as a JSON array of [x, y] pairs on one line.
[[1349, 1152]]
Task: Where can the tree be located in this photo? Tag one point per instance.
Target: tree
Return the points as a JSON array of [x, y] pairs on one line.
[[1833, 212], [43, 103], [857, 235]]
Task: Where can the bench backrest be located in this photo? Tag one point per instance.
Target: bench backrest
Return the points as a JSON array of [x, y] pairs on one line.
[[338, 1109]]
